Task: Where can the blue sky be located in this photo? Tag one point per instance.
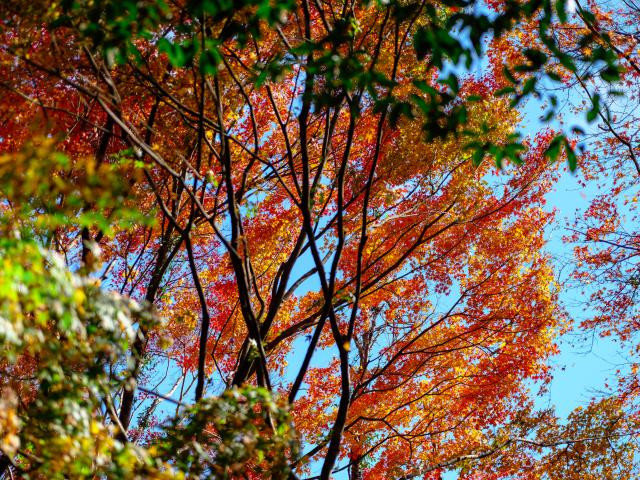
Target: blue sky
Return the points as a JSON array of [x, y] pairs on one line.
[[586, 361]]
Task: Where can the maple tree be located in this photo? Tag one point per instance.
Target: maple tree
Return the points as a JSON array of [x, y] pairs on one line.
[[605, 234], [301, 192]]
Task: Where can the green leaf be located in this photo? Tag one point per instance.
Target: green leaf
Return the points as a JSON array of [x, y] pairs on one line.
[[594, 111], [529, 86], [610, 74], [536, 57], [572, 159], [477, 156], [179, 55], [509, 76], [504, 91], [66, 321], [553, 150], [561, 10]]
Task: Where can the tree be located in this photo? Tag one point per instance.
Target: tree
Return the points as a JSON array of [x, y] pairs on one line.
[[605, 236], [315, 222]]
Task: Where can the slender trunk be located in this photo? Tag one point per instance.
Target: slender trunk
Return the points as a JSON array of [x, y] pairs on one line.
[[355, 471]]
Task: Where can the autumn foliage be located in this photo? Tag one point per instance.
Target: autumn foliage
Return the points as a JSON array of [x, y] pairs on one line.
[[282, 239]]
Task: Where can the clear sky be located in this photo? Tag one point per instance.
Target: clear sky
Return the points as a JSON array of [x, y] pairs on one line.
[[586, 361]]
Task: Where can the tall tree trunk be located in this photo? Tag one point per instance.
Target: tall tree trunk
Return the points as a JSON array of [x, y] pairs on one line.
[[355, 471]]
